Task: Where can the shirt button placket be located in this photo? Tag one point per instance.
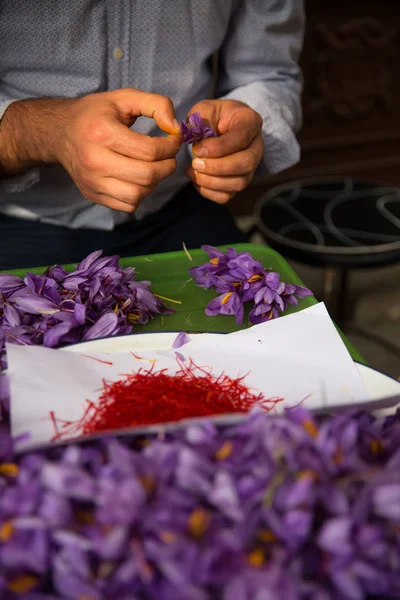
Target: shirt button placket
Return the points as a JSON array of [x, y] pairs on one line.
[[118, 16]]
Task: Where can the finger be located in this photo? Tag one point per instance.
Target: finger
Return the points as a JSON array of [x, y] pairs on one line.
[[214, 195], [110, 202], [131, 170], [240, 163], [222, 184], [143, 147], [236, 138], [137, 103], [123, 191]]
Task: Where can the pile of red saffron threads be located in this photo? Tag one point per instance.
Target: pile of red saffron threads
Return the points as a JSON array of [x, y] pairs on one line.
[[148, 397]]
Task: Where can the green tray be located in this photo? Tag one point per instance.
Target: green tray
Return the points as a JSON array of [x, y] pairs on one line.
[[169, 277]]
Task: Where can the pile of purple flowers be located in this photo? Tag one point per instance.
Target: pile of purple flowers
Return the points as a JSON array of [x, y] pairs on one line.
[[98, 299], [239, 278], [278, 507], [194, 130]]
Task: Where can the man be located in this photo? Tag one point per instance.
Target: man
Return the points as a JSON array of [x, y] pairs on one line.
[[80, 166]]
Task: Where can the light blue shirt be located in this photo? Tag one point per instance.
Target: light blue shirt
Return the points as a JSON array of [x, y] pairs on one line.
[[71, 48]]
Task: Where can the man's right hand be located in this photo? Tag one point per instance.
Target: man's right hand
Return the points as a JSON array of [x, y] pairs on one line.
[[91, 139]]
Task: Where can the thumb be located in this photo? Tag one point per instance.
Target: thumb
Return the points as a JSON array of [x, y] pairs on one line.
[[137, 103]]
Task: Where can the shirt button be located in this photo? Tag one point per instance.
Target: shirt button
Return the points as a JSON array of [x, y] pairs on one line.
[[118, 53]]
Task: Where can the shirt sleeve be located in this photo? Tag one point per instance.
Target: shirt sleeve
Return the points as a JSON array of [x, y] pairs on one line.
[[16, 183], [259, 66]]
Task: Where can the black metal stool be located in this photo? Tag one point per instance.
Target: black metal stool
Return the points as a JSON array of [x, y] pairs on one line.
[[340, 224]]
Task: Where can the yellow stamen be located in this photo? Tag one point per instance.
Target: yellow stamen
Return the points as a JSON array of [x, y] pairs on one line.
[[236, 284], [225, 299], [168, 299], [254, 278], [267, 536], [85, 517], [147, 482], [214, 261], [376, 447], [105, 570], [198, 523], [168, 537], [338, 457], [270, 315], [6, 531], [23, 583], [274, 485], [256, 558], [224, 451], [116, 308], [9, 469], [307, 474], [310, 427], [132, 317]]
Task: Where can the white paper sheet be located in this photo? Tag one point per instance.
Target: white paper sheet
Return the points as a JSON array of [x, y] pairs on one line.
[[297, 357]]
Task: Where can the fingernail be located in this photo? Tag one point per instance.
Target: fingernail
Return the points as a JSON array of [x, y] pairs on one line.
[[176, 125], [198, 164], [200, 151]]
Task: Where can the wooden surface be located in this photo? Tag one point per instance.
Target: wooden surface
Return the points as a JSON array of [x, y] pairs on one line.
[[351, 95]]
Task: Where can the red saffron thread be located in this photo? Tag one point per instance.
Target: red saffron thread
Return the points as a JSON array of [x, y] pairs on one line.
[[147, 397], [104, 362]]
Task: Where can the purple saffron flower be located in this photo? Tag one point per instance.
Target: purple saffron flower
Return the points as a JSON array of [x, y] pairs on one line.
[[291, 293], [12, 317], [335, 536], [252, 510], [31, 303], [227, 304], [244, 276], [194, 131], [100, 298], [54, 335], [9, 284], [107, 325], [263, 312], [386, 501]]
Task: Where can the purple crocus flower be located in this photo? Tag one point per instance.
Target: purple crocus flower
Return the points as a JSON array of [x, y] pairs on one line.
[[386, 501], [236, 511], [9, 284], [263, 312], [98, 299], [244, 276], [227, 304], [194, 130], [291, 293]]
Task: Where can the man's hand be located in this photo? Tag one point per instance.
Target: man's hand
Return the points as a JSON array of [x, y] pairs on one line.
[[225, 165], [91, 139]]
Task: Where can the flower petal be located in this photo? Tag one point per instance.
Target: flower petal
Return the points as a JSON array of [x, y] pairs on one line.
[[106, 325], [181, 339], [53, 336]]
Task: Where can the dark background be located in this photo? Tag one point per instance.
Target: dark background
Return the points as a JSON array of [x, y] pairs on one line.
[[351, 99]]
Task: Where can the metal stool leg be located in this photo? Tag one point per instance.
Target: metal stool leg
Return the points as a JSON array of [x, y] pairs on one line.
[[335, 294], [330, 290], [343, 308]]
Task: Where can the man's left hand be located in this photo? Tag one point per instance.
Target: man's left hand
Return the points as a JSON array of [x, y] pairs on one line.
[[225, 164]]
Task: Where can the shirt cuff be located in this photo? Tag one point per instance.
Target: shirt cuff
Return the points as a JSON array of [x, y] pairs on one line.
[[16, 183], [282, 149]]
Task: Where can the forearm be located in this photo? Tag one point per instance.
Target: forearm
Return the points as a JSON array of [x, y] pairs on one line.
[[30, 131]]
